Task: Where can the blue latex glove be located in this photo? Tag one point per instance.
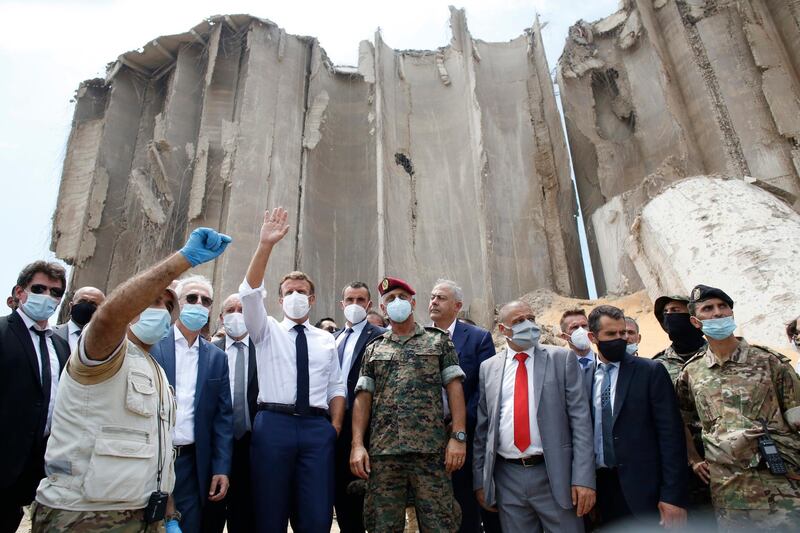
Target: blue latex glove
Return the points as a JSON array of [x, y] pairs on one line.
[[204, 244], [173, 526]]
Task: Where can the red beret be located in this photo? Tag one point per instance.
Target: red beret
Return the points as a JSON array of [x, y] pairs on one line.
[[388, 284]]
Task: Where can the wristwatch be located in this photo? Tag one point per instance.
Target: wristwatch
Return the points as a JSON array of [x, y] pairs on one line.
[[460, 436]]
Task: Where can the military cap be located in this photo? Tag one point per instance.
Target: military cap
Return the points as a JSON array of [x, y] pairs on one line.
[[662, 301], [702, 293], [387, 284]]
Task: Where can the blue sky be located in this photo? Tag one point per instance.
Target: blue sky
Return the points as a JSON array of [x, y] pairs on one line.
[[48, 47]]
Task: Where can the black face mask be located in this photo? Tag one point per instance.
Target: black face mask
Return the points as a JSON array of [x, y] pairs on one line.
[[614, 350], [686, 339], [82, 312]]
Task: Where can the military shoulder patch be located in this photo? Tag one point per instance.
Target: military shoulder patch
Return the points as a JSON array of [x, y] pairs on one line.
[[777, 354]]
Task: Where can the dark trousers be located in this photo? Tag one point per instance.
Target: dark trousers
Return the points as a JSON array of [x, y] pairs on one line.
[[349, 506], [21, 491], [472, 514], [237, 507], [187, 492], [611, 505], [292, 471]]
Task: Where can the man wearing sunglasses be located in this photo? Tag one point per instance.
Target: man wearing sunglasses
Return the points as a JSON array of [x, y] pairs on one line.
[[31, 360], [198, 371]]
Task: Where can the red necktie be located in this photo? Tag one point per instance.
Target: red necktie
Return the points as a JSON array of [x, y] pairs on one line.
[[522, 423]]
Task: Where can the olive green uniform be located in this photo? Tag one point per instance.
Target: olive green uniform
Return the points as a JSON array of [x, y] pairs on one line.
[[405, 376]]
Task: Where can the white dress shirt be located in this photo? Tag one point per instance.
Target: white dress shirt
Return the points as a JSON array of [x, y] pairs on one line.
[[445, 402], [349, 348], [506, 446], [186, 359], [55, 366], [277, 358], [233, 352], [73, 333], [598, 408]]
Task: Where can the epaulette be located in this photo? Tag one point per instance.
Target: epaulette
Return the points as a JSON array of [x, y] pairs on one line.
[[659, 354], [777, 354], [378, 338], [436, 330]]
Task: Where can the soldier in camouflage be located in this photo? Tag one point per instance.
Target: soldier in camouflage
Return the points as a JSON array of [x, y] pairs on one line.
[[399, 393], [730, 387]]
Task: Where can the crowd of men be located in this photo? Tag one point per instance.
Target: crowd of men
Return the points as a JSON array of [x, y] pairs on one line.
[[132, 416]]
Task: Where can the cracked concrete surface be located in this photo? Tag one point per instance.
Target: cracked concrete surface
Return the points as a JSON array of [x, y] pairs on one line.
[[212, 126]]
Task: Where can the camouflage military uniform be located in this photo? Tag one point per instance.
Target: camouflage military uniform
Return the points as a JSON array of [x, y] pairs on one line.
[[405, 376], [755, 383], [672, 361], [48, 520]]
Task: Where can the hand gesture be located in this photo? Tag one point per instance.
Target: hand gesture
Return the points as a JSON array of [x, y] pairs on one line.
[[275, 226], [203, 245]]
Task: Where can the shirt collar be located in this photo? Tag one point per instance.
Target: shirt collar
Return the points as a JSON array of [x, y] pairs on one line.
[[229, 341], [452, 328], [180, 338], [288, 324], [357, 328], [590, 356], [29, 322], [600, 369], [72, 327], [739, 355], [511, 353]]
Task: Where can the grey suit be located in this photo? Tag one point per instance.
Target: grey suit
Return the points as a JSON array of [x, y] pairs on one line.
[[564, 425], [62, 330]]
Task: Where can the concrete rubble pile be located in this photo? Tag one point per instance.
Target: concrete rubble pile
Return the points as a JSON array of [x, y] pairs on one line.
[[665, 89], [415, 163]]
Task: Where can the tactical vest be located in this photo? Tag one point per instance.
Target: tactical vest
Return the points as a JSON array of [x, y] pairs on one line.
[[103, 452]]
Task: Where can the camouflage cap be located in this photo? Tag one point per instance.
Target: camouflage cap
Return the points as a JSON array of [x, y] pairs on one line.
[[662, 301], [387, 284], [702, 293]]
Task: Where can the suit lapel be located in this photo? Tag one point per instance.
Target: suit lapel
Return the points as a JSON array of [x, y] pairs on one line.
[[168, 356], [626, 371], [496, 379], [24, 337], [358, 350], [460, 334], [251, 362], [540, 362], [202, 370]]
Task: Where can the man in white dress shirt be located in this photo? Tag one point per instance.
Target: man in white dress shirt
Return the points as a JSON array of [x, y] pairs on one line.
[[301, 398], [84, 303]]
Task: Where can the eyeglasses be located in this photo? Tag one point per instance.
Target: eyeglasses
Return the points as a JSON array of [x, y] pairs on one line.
[[194, 298], [55, 292]]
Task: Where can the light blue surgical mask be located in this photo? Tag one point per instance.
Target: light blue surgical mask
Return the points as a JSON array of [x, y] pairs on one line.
[[632, 348], [153, 325], [398, 310], [194, 316], [525, 334], [719, 328], [39, 306]]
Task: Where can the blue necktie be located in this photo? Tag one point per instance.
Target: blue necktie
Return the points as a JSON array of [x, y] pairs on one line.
[[342, 345], [301, 349], [240, 421], [584, 361], [609, 457]]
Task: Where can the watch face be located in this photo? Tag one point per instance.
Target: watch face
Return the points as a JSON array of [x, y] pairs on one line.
[[461, 436]]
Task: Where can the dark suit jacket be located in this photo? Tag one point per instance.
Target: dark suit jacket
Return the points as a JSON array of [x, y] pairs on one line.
[[62, 330], [474, 346], [252, 376], [23, 411], [367, 334], [213, 415], [648, 436]]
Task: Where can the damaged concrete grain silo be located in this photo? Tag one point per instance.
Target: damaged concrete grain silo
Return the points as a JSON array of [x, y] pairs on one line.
[[422, 164], [665, 89]]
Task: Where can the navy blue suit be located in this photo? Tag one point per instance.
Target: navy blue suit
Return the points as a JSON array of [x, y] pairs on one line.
[[213, 428], [474, 345], [649, 444], [350, 507]]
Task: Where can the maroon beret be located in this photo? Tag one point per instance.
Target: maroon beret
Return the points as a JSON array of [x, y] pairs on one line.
[[388, 284]]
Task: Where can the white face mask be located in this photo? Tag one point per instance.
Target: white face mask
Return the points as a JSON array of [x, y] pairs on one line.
[[354, 313], [234, 325], [295, 305], [580, 339]]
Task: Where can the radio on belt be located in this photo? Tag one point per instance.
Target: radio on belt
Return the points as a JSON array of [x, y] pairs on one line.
[[769, 452]]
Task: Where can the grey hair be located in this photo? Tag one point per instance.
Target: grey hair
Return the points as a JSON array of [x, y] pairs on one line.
[[195, 279], [458, 293], [633, 321]]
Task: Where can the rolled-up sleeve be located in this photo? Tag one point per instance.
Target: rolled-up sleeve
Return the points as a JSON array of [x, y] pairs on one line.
[[255, 314], [366, 378], [449, 364], [335, 382]]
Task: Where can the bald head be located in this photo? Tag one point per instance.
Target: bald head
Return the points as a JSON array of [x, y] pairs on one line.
[[88, 294], [232, 304], [514, 307]]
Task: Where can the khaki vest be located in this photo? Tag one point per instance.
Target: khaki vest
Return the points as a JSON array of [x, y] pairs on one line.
[[103, 448]]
